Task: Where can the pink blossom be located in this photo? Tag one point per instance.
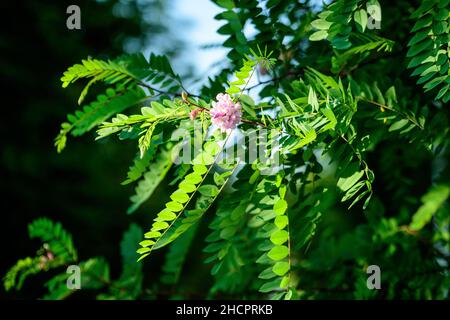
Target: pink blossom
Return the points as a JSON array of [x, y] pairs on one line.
[[225, 113], [193, 114], [50, 255]]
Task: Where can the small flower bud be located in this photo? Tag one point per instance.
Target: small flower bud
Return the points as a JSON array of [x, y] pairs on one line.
[[194, 114], [184, 96], [50, 255]]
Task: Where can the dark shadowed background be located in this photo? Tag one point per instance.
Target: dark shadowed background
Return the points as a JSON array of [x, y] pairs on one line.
[[81, 186]]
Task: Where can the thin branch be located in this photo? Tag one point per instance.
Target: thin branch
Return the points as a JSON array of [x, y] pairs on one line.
[[394, 110], [285, 75], [161, 92]]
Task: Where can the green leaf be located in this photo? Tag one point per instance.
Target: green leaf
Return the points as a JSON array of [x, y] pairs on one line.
[[318, 35], [280, 206], [398, 125], [143, 250], [281, 222], [280, 268], [419, 47], [248, 104], [321, 24], [157, 171], [309, 136], [278, 253], [361, 19], [432, 201], [159, 225], [279, 237], [209, 190], [167, 215], [176, 256], [341, 43], [312, 99], [422, 23], [270, 286], [179, 196], [350, 176], [146, 243], [193, 178], [204, 159], [174, 206], [128, 247], [200, 169], [187, 187], [152, 234], [95, 113], [284, 282], [267, 274]]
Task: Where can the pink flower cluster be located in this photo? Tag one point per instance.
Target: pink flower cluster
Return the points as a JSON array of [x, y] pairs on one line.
[[225, 113]]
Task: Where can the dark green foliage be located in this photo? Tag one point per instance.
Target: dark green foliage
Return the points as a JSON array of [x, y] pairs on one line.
[[58, 253], [114, 101], [362, 178], [429, 47], [157, 170], [57, 250], [177, 256]]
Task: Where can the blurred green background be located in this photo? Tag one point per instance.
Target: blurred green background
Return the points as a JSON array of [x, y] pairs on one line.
[[80, 187]]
